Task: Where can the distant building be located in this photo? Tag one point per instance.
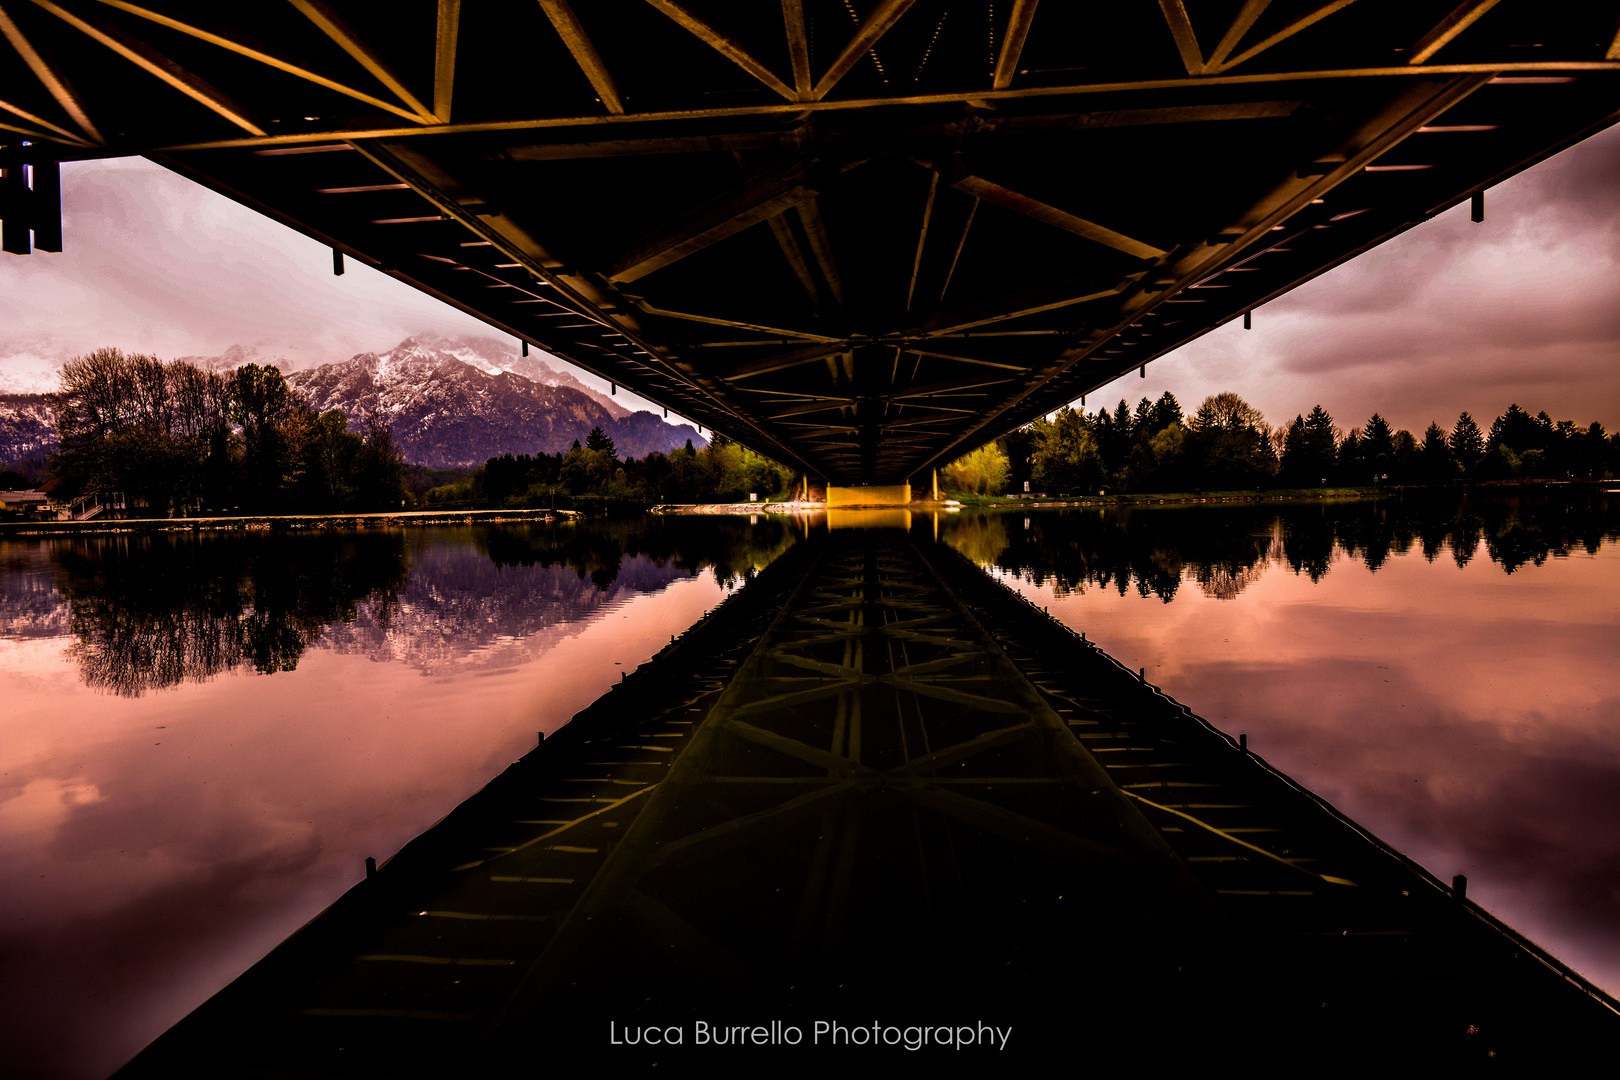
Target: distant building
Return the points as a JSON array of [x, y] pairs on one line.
[[23, 502]]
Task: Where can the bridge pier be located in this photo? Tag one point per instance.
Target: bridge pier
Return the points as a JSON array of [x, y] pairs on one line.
[[869, 495]]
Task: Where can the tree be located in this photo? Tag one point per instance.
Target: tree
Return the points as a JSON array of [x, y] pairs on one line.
[[1296, 467], [1321, 445], [1466, 443], [135, 424], [1065, 458], [379, 469], [1228, 412], [1234, 442], [982, 472], [1377, 447], [601, 440], [1435, 461], [270, 416]]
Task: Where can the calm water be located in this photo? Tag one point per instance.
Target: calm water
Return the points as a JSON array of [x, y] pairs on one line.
[[1447, 675], [204, 737]]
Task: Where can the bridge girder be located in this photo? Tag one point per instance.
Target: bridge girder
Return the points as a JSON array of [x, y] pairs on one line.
[[860, 238]]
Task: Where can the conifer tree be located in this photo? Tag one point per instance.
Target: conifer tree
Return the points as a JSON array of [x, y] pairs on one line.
[[1466, 443]]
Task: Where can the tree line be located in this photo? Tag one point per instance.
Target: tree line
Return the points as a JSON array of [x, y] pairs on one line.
[[723, 471], [181, 439], [1156, 550], [1228, 445]]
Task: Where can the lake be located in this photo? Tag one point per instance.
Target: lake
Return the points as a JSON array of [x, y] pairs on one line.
[[206, 735]]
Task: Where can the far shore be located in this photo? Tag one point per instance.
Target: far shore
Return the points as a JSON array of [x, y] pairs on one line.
[[266, 522], [947, 503], [960, 501]]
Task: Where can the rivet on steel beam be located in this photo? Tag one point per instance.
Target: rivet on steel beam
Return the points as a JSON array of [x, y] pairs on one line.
[[337, 262], [371, 867], [1248, 320], [1478, 206]]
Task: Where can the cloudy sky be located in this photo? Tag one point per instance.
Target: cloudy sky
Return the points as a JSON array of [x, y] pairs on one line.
[[1453, 315]]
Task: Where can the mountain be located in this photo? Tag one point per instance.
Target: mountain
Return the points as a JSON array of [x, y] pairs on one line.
[[445, 410], [27, 427], [451, 401]]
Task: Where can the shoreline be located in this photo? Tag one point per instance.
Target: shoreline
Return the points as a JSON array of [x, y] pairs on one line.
[[269, 522], [1046, 502]]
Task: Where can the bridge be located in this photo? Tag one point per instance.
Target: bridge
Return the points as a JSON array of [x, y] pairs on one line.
[[859, 237]]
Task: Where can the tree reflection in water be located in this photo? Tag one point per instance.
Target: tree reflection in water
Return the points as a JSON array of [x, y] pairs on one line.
[[1226, 547], [151, 611]]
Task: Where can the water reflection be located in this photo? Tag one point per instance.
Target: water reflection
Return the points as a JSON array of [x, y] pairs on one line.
[[1224, 549], [1443, 672], [203, 737], [151, 611]]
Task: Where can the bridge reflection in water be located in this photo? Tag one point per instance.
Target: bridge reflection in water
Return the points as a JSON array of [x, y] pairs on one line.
[[875, 786]]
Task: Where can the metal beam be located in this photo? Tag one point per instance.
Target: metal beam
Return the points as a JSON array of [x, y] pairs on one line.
[[1461, 18], [756, 199], [725, 46], [154, 63], [922, 236], [991, 192], [1016, 305], [573, 35], [56, 132], [782, 361], [798, 47], [1543, 67], [783, 231], [1175, 15], [52, 79], [264, 58], [444, 58], [330, 24], [876, 24], [1012, 43], [719, 320], [1302, 23], [1247, 14], [815, 230]]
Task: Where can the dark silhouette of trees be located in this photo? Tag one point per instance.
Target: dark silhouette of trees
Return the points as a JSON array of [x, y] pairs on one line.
[[1436, 464], [175, 438], [1466, 443], [602, 441]]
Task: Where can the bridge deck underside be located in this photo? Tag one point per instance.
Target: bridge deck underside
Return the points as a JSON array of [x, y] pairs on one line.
[[861, 238], [902, 795]]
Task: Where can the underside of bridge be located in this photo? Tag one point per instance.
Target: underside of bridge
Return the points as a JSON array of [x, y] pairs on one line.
[[861, 238]]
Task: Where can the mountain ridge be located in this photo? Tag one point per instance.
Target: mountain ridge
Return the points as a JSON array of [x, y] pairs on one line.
[[450, 401]]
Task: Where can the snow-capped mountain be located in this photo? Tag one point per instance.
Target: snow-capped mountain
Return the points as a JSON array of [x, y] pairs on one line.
[[448, 411], [27, 427], [451, 401]]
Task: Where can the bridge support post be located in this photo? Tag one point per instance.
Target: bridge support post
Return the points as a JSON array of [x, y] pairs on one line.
[[869, 495], [933, 475]]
